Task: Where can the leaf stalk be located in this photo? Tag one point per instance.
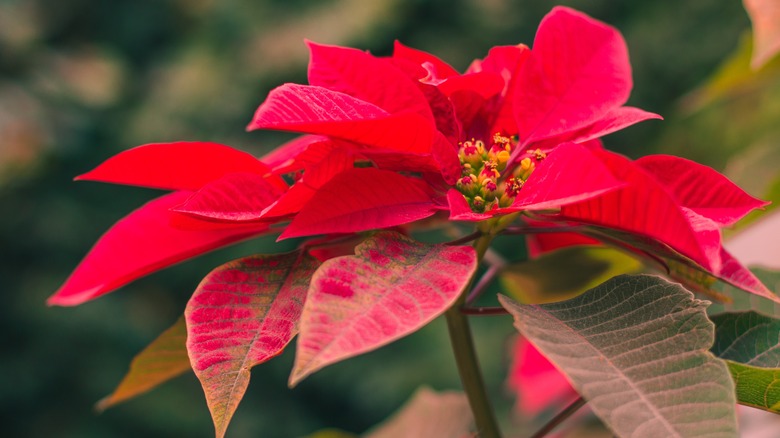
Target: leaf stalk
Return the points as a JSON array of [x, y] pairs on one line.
[[466, 359]]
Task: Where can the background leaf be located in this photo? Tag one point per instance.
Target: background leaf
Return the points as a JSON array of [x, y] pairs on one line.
[[748, 341], [636, 349], [565, 273], [390, 288], [242, 314], [765, 15], [429, 414], [163, 359]]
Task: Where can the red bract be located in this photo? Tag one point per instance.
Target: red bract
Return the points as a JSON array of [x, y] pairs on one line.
[[435, 139], [394, 140], [154, 236], [672, 200]]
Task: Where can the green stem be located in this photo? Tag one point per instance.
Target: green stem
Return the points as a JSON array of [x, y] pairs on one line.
[[466, 359], [560, 418]]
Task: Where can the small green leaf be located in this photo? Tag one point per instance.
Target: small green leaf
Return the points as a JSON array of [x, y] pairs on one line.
[[429, 414], [756, 387], [163, 359], [750, 343], [565, 273], [636, 348]]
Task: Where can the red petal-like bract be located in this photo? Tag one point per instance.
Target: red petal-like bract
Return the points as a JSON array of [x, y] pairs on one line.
[[615, 120], [636, 208], [701, 188], [313, 178], [317, 110], [419, 57], [362, 199], [577, 72], [365, 77], [143, 242], [283, 156], [390, 288], [507, 62], [570, 173], [176, 166], [242, 314], [234, 197]]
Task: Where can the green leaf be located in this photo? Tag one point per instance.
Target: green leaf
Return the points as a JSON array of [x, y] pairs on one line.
[[636, 348], [243, 313], [748, 338], [565, 273], [756, 387], [750, 343], [163, 359], [429, 414]]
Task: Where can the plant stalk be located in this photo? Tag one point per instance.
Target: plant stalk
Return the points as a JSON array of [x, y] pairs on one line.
[[466, 360], [558, 419]]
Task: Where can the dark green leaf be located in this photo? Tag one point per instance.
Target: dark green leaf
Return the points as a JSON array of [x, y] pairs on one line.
[[749, 343]]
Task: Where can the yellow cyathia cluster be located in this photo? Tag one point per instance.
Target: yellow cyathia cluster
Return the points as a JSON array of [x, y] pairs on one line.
[[483, 182]]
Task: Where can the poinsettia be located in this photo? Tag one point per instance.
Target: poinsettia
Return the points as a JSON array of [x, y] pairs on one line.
[[397, 139], [393, 141], [475, 137]]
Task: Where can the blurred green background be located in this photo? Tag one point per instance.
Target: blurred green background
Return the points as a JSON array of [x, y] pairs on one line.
[[81, 80]]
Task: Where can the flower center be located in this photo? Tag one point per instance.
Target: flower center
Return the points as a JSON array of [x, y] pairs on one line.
[[485, 182]]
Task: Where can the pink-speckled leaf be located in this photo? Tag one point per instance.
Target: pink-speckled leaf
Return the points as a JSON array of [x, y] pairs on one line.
[[318, 110], [390, 288], [163, 359], [242, 314], [577, 72], [765, 15], [176, 166], [146, 240], [235, 197], [701, 188], [362, 199]]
